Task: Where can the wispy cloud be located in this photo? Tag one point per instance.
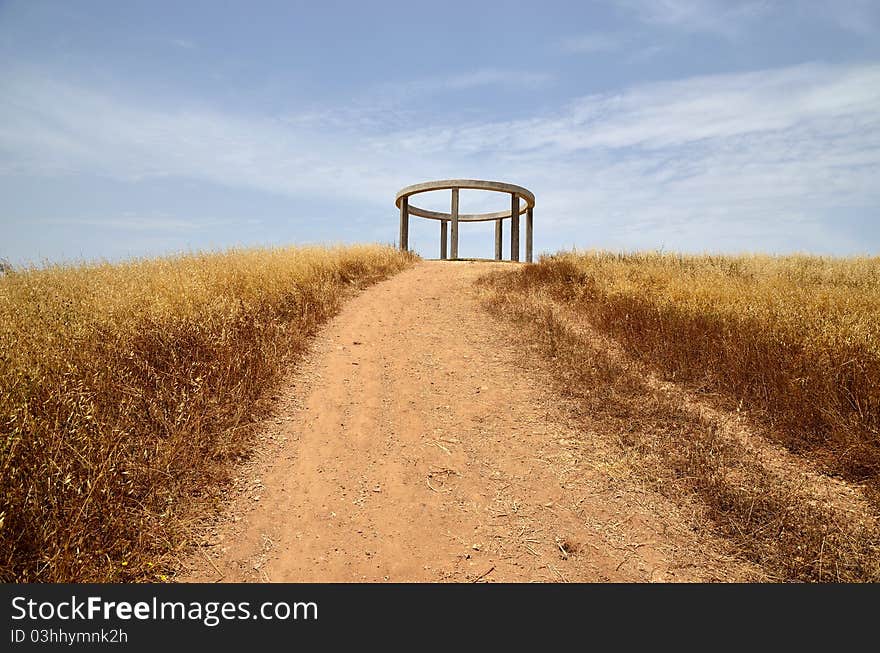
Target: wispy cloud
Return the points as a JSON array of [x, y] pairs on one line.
[[486, 77], [724, 17], [391, 105], [679, 113], [713, 159], [860, 17], [732, 18], [398, 93], [592, 43], [146, 223], [186, 44]]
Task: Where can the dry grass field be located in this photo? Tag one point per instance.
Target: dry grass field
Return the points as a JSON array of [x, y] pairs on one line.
[[124, 390], [671, 418], [792, 343]]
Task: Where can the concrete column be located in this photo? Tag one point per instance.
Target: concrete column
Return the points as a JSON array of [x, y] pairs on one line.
[[514, 227], [404, 224], [529, 236], [443, 240], [454, 244], [499, 235]]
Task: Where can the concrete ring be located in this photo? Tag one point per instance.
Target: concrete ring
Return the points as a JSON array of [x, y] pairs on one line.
[[522, 201], [475, 184]]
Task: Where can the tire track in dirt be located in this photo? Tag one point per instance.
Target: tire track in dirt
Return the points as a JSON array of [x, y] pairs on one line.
[[410, 445]]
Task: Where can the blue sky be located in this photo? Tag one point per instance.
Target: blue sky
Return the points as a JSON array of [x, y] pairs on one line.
[[140, 128]]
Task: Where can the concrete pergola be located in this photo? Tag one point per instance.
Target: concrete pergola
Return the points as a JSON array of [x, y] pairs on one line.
[[522, 201]]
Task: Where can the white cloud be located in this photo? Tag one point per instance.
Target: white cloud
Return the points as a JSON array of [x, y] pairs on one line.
[[732, 18], [708, 159], [129, 221], [860, 17], [675, 114], [592, 43], [185, 44], [723, 17], [486, 77], [392, 96]]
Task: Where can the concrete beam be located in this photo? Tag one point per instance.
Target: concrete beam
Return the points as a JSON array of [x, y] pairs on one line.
[[454, 213], [514, 227], [529, 217], [404, 224]]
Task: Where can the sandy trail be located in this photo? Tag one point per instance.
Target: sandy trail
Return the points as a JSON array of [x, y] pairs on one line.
[[411, 445]]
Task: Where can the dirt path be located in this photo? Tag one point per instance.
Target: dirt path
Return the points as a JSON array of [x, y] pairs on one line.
[[412, 446]]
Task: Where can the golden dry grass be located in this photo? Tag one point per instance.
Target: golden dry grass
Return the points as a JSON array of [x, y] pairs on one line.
[[795, 341], [796, 336], [125, 388]]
